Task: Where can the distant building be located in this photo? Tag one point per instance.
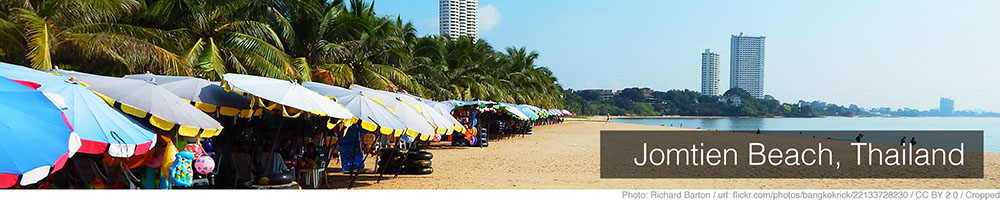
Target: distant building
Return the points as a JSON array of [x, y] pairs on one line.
[[709, 73], [459, 18], [747, 64], [646, 92], [733, 100], [603, 93], [947, 106]]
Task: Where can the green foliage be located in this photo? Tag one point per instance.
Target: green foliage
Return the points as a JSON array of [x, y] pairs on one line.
[[632, 101], [738, 92], [334, 42]]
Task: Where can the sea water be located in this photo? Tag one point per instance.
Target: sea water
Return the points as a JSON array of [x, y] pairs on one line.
[[989, 125]]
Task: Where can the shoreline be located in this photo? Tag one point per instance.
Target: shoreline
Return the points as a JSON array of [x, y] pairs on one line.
[[567, 156]]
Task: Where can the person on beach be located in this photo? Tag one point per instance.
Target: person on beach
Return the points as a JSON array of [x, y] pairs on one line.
[[913, 141], [858, 139], [902, 142], [609, 118]]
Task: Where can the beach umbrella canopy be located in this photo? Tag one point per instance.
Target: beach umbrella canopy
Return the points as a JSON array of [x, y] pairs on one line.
[[291, 98], [555, 112], [101, 128], [567, 113], [513, 110], [445, 111], [440, 121], [416, 122], [37, 138], [146, 101], [448, 106], [536, 110], [372, 113], [527, 112], [204, 95]]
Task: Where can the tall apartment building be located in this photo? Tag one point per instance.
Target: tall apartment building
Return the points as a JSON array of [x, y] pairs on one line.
[[947, 106], [459, 18], [709, 73], [746, 64]]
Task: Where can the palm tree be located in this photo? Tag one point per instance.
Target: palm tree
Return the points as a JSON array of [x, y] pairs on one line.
[[331, 41], [75, 34], [217, 37], [351, 45]]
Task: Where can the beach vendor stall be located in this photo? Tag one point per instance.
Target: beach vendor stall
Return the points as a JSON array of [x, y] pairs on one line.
[[418, 126], [374, 117], [213, 99], [290, 100], [178, 123]]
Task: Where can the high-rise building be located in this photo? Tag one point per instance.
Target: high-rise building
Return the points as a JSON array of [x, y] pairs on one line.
[[947, 106], [459, 18], [709, 73], [746, 64]]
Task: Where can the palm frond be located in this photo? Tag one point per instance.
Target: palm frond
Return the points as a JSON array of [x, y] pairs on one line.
[[39, 39]]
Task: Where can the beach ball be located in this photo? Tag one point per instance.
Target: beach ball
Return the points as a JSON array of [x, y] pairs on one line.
[[204, 165], [194, 149]]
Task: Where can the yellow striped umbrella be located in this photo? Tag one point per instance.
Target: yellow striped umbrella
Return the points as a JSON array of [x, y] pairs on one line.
[[204, 95], [290, 98], [146, 101], [416, 122], [371, 111]]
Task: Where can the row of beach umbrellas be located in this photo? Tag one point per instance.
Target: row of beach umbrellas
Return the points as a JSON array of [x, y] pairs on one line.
[[72, 112]]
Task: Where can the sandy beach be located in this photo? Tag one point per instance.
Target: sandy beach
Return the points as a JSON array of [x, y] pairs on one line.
[[567, 156]]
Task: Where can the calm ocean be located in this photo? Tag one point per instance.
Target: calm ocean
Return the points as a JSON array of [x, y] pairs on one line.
[[989, 126]]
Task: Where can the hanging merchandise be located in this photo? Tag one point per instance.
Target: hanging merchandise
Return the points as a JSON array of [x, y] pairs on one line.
[[194, 149], [167, 158], [204, 164], [351, 155], [180, 172]]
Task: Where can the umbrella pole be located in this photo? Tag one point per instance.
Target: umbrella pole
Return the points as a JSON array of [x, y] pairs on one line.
[[382, 172], [403, 161], [277, 137]]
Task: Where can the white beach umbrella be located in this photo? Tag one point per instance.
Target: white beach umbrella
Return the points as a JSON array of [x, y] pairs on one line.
[[445, 110], [162, 108], [415, 121], [285, 95], [372, 112], [439, 120]]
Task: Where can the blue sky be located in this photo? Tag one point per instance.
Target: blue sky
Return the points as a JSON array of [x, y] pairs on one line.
[[870, 53]]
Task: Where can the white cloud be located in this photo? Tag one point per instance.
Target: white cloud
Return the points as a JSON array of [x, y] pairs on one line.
[[489, 16]]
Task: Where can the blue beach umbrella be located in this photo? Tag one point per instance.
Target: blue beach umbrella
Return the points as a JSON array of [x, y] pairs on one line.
[[513, 111], [101, 127], [36, 137]]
